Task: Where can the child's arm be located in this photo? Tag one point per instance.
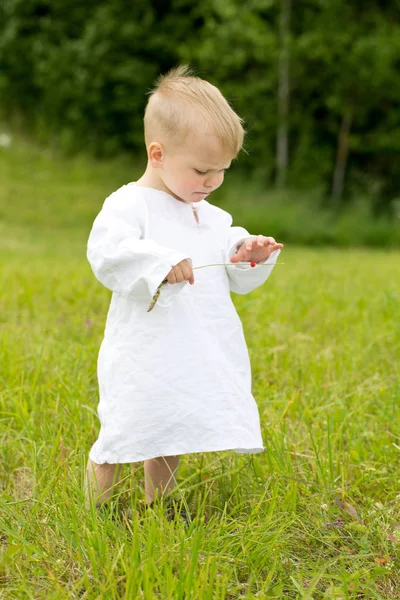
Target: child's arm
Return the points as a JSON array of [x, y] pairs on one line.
[[123, 260], [255, 250]]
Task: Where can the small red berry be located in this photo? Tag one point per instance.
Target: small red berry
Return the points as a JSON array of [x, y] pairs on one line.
[[252, 264]]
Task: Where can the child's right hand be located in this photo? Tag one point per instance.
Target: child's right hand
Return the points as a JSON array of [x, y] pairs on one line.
[[180, 273]]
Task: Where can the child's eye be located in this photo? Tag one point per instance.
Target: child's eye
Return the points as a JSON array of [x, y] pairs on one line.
[[200, 172]]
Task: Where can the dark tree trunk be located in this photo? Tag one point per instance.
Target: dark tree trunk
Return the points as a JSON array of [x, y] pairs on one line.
[[342, 156], [282, 142]]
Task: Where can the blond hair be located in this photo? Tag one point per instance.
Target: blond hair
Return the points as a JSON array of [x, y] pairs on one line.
[[179, 98]]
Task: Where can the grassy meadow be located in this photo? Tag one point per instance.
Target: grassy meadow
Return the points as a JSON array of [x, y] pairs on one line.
[[316, 516]]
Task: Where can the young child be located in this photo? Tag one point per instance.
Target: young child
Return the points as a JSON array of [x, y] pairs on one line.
[[175, 380]]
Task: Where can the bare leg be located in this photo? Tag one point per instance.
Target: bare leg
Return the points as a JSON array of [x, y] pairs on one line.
[[159, 476], [100, 481]]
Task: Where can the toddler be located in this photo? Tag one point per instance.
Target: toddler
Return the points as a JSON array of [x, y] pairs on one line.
[[175, 379]]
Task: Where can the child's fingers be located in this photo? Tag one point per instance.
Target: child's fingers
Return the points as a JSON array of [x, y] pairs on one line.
[[175, 275], [268, 241], [171, 277], [241, 255], [180, 273], [261, 241], [187, 272], [244, 251], [276, 246]]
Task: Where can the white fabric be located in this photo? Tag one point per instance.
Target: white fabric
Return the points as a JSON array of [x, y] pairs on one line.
[[176, 380]]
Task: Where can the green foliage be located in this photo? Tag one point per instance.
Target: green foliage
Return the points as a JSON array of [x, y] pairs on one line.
[[300, 217], [349, 65], [77, 74], [88, 70], [42, 191], [238, 46]]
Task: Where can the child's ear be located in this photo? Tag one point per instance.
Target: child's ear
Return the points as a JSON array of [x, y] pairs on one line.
[[155, 154]]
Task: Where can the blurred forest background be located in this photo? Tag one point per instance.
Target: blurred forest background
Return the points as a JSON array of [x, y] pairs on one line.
[[316, 81]]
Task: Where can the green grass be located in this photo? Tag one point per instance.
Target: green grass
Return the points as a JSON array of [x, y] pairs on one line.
[[316, 516]]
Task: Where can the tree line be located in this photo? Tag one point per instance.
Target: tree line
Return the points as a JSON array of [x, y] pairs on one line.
[[316, 81]]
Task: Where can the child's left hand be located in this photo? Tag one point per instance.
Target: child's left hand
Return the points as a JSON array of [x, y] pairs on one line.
[[256, 249]]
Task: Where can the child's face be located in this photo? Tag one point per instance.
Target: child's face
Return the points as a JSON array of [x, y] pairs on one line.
[[192, 170]]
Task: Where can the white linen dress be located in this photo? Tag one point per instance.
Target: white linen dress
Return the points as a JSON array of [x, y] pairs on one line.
[[175, 380]]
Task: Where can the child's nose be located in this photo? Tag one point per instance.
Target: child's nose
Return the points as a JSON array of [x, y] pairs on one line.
[[213, 180]]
